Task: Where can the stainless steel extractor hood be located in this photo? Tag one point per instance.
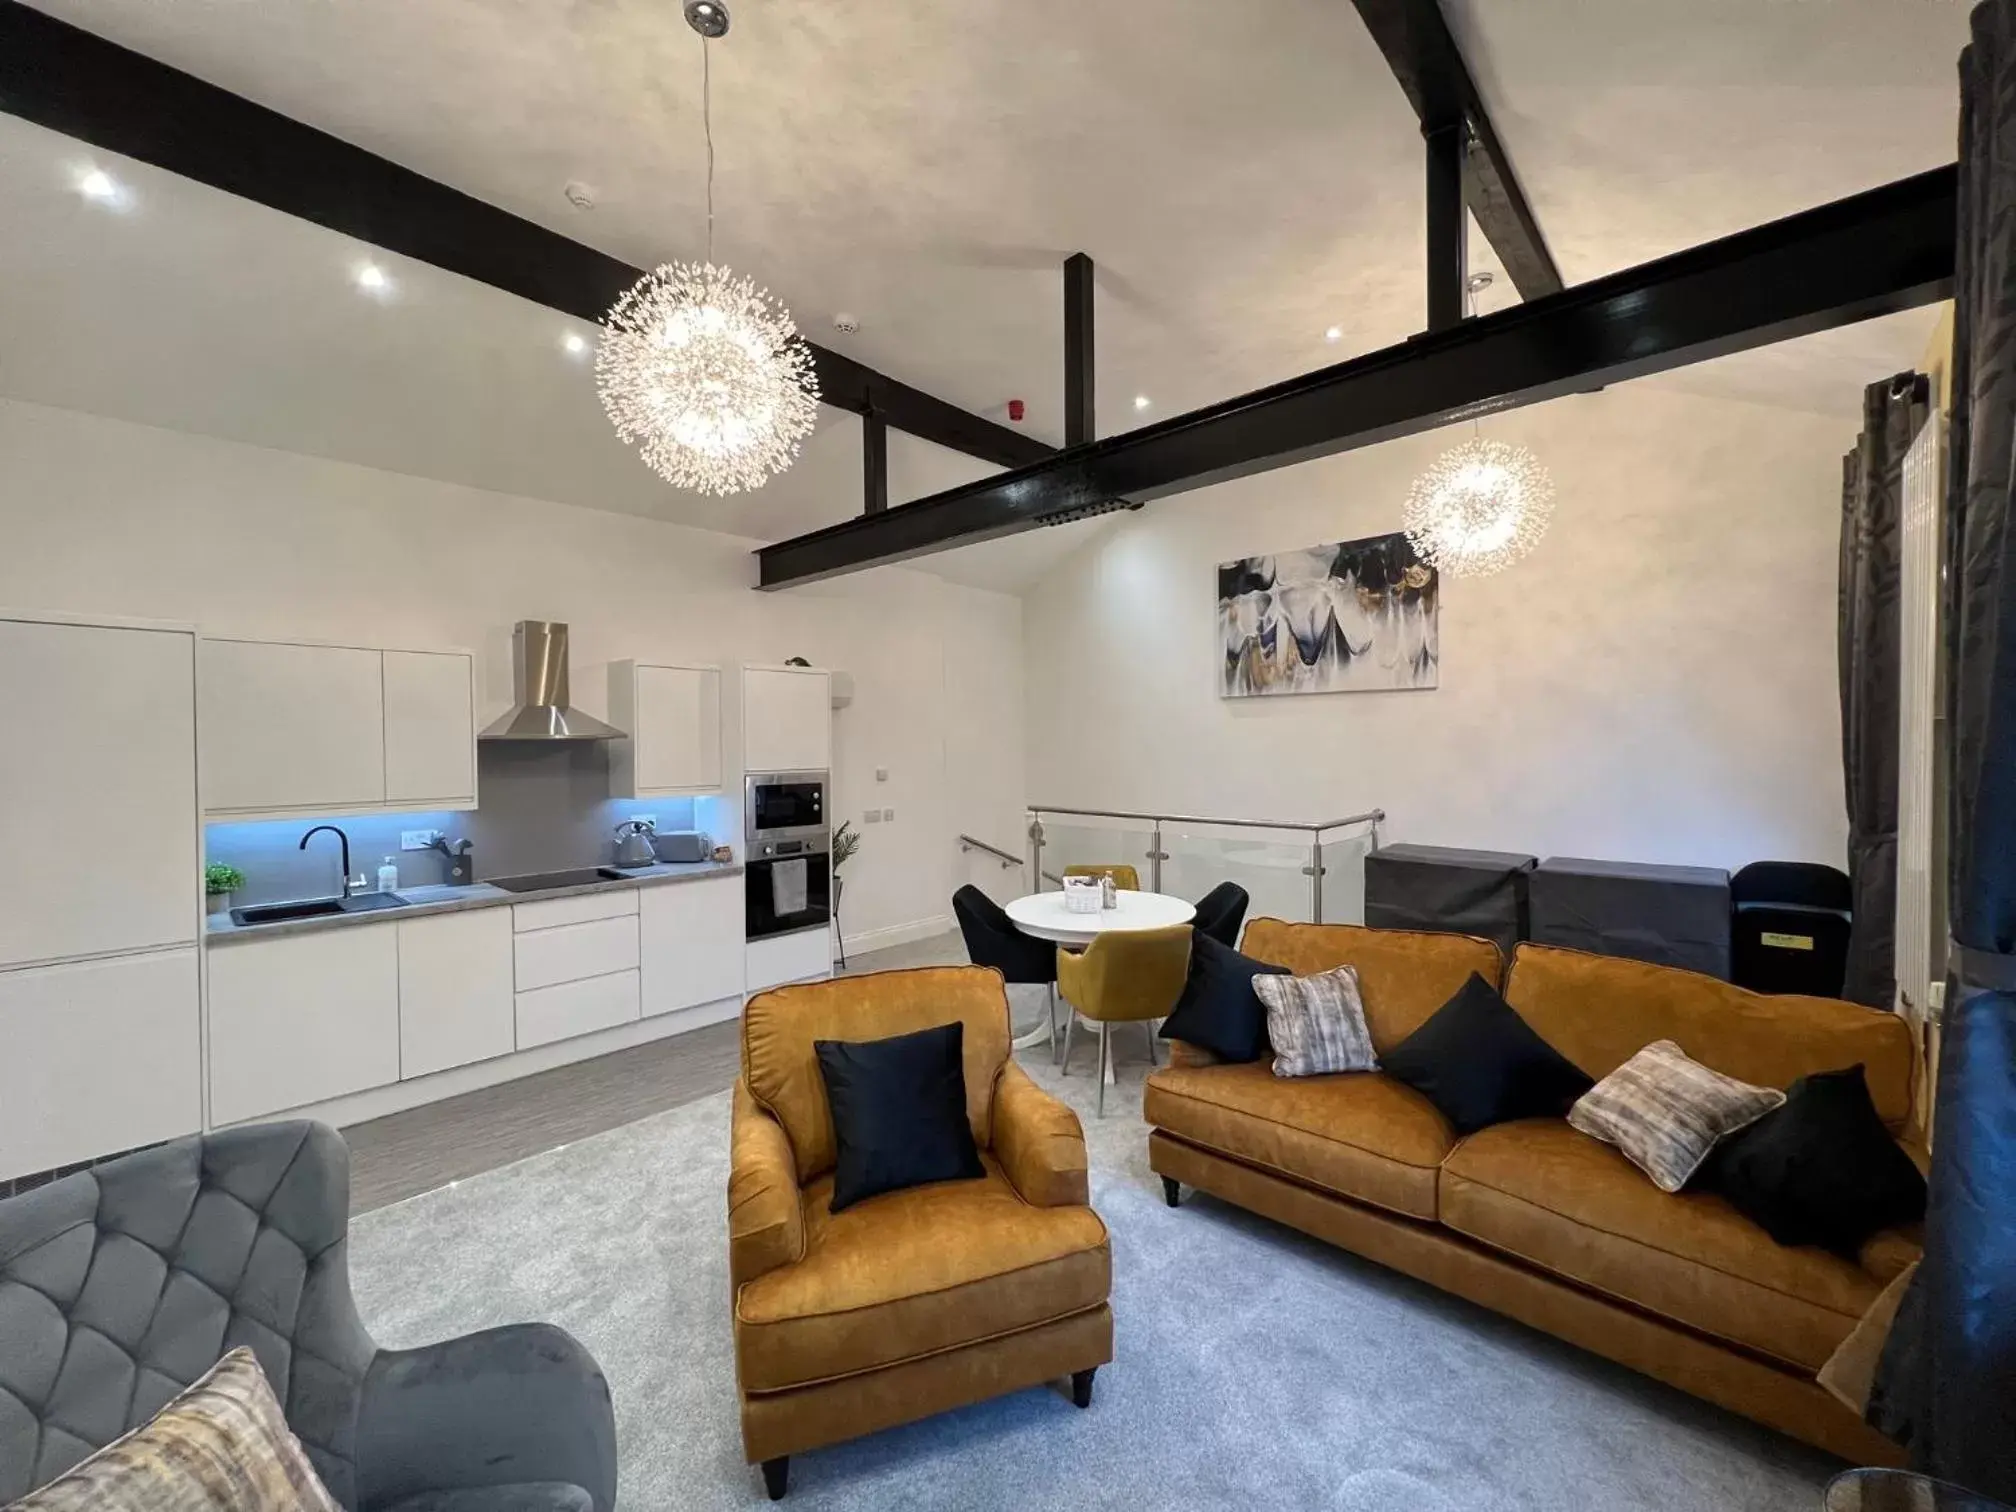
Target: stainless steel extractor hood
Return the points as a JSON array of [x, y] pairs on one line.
[[539, 683]]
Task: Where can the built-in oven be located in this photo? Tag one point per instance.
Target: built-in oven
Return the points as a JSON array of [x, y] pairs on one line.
[[788, 875]]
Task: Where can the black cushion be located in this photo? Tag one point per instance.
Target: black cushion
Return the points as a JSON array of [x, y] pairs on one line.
[[1481, 1064], [1821, 1170], [1219, 1011], [899, 1112]]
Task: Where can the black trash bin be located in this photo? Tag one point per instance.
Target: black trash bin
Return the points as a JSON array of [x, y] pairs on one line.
[[1790, 927]]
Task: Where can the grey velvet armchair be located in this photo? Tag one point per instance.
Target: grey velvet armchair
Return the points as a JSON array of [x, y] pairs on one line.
[[120, 1285]]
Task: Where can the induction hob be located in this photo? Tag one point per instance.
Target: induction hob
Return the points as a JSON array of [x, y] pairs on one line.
[[545, 881]]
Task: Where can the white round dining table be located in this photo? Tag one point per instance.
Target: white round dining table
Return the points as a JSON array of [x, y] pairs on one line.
[[1044, 917]]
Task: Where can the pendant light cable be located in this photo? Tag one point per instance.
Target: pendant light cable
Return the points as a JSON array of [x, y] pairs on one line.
[[707, 126]]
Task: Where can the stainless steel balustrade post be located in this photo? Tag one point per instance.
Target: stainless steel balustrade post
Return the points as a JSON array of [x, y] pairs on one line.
[[1035, 852], [1156, 856]]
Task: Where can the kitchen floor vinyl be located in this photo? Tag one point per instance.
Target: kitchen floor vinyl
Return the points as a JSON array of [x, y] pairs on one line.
[[404, 1154]]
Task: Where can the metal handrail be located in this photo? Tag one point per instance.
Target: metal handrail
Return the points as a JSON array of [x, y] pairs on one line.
[[1370, 816], [1006, 858], [1155, 855]]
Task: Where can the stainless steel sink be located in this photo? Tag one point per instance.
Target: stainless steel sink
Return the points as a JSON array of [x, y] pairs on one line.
[[315, 908]]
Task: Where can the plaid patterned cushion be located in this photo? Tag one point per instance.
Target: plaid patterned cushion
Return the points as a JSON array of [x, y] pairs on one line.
[[1316, 1023], [1665, 1112], [221, 1446]]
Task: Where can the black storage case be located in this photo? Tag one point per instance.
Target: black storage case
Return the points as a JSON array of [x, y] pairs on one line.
[[1472, 892], [1668, 915]]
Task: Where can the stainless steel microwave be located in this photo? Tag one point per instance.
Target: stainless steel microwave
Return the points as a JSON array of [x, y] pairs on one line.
[[784, 806]]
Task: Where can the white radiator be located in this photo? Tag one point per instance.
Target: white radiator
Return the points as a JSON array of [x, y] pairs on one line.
[[1920, 916]]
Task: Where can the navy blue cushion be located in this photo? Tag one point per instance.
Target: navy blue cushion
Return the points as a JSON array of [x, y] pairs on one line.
[[899, 1112], [1219, 1011], [1481, 1064]]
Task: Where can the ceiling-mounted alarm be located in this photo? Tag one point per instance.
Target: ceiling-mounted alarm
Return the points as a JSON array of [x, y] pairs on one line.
[[581, 196], [846, 324], [1015, 408]]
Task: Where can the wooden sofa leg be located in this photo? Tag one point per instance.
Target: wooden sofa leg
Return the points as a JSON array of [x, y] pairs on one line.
[[1172, 1191], [1081, 1386], [777, 1476]]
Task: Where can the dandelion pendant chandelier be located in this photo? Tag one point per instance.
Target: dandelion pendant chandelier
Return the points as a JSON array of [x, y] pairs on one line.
[[700, 370], [1481, 506]]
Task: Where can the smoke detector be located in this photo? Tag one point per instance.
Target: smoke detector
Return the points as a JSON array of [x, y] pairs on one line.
[[581, 196], [846, 324]]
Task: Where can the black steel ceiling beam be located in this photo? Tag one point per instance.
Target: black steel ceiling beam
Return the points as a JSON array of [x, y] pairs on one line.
[[874, 464], [1429, 66], [1081, 396], [1448, 226], [1885, 250], [73, 81]]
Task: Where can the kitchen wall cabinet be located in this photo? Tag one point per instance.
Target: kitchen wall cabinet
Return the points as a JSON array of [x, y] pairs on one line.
[[97, 790], [673, 714], [787, 719], [296, 729], [99, 1056], [691, 938], [302, 1019], [455, 990], [430, 729]]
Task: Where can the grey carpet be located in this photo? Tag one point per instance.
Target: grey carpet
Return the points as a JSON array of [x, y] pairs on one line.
[[1254, 1368]]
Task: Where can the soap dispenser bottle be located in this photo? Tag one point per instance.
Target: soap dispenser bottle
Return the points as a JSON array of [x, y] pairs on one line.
[[388, 876]]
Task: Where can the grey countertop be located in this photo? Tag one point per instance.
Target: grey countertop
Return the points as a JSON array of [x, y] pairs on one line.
[[439, 899]]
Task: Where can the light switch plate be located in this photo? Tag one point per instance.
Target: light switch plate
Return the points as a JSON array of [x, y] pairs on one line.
[[881, 774], [888, 816]]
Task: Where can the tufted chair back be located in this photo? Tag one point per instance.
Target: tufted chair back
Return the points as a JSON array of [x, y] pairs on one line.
[[121, 1285]]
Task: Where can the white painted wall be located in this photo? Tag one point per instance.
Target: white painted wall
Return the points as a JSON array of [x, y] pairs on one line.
[[1656, 683], [103, 516]]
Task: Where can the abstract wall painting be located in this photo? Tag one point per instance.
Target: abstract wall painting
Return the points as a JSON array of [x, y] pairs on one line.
[[1350, 617]]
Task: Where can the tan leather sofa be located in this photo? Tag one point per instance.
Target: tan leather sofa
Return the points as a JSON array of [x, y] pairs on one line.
[[915, 1301], [1534, 1219]]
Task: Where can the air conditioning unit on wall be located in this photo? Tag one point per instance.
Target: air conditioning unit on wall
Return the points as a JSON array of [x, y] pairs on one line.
[[843, 689]]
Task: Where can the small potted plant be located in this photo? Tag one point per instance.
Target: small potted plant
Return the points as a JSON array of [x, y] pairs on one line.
[[846, 841], [219, 882]]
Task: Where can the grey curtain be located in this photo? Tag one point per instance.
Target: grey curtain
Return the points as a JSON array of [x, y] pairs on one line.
[[1872, 491], [1947, 1385]]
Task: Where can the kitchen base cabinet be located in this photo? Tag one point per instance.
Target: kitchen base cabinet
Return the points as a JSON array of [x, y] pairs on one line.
[[98, 1057], [802, 957], [455, 990], [691, 936], [302, 1019], [557, 1013]]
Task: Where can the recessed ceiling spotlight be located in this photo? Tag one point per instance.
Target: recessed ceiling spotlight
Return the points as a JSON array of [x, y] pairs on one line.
[[575, 343], [1140, 401], [371, 276], [100, 187], [1335, 333]]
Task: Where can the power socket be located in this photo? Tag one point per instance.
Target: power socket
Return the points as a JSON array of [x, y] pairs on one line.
[[418, 839], [873, 816]]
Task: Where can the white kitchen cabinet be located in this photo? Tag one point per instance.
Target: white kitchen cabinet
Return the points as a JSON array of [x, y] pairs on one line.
[[455, 990], [610, 903], [546, 957], [430, 729], [691, 937], [787, 719], [97, 1057], [291, 727], [302, 1018], [673, 715], [97, 791], [806, 956], [572, 1008]]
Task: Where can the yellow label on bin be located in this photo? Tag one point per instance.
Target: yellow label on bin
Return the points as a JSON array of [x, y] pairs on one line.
[[1787, 942]]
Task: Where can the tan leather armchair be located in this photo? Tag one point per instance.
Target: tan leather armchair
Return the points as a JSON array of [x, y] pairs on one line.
[[917, 1301]]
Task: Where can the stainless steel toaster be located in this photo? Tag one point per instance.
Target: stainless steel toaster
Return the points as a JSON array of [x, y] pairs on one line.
[[683, 845]]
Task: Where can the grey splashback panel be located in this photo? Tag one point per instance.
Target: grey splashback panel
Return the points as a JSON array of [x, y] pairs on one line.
[[545, 807]]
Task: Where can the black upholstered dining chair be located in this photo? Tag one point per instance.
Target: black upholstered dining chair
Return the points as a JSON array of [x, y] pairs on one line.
[[120, 1285], [1220, 912], [993, 940]]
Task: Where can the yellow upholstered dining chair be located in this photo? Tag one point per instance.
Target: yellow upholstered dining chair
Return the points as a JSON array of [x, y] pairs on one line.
[[1124, 877], [1125, 976]]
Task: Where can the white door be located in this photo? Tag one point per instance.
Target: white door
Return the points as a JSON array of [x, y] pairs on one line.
[[301, 1019], [787, 720], [100, 1056], [676, 730], [430, 729], [692, 943], [455, 990], [98, 832], [291, 727]]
